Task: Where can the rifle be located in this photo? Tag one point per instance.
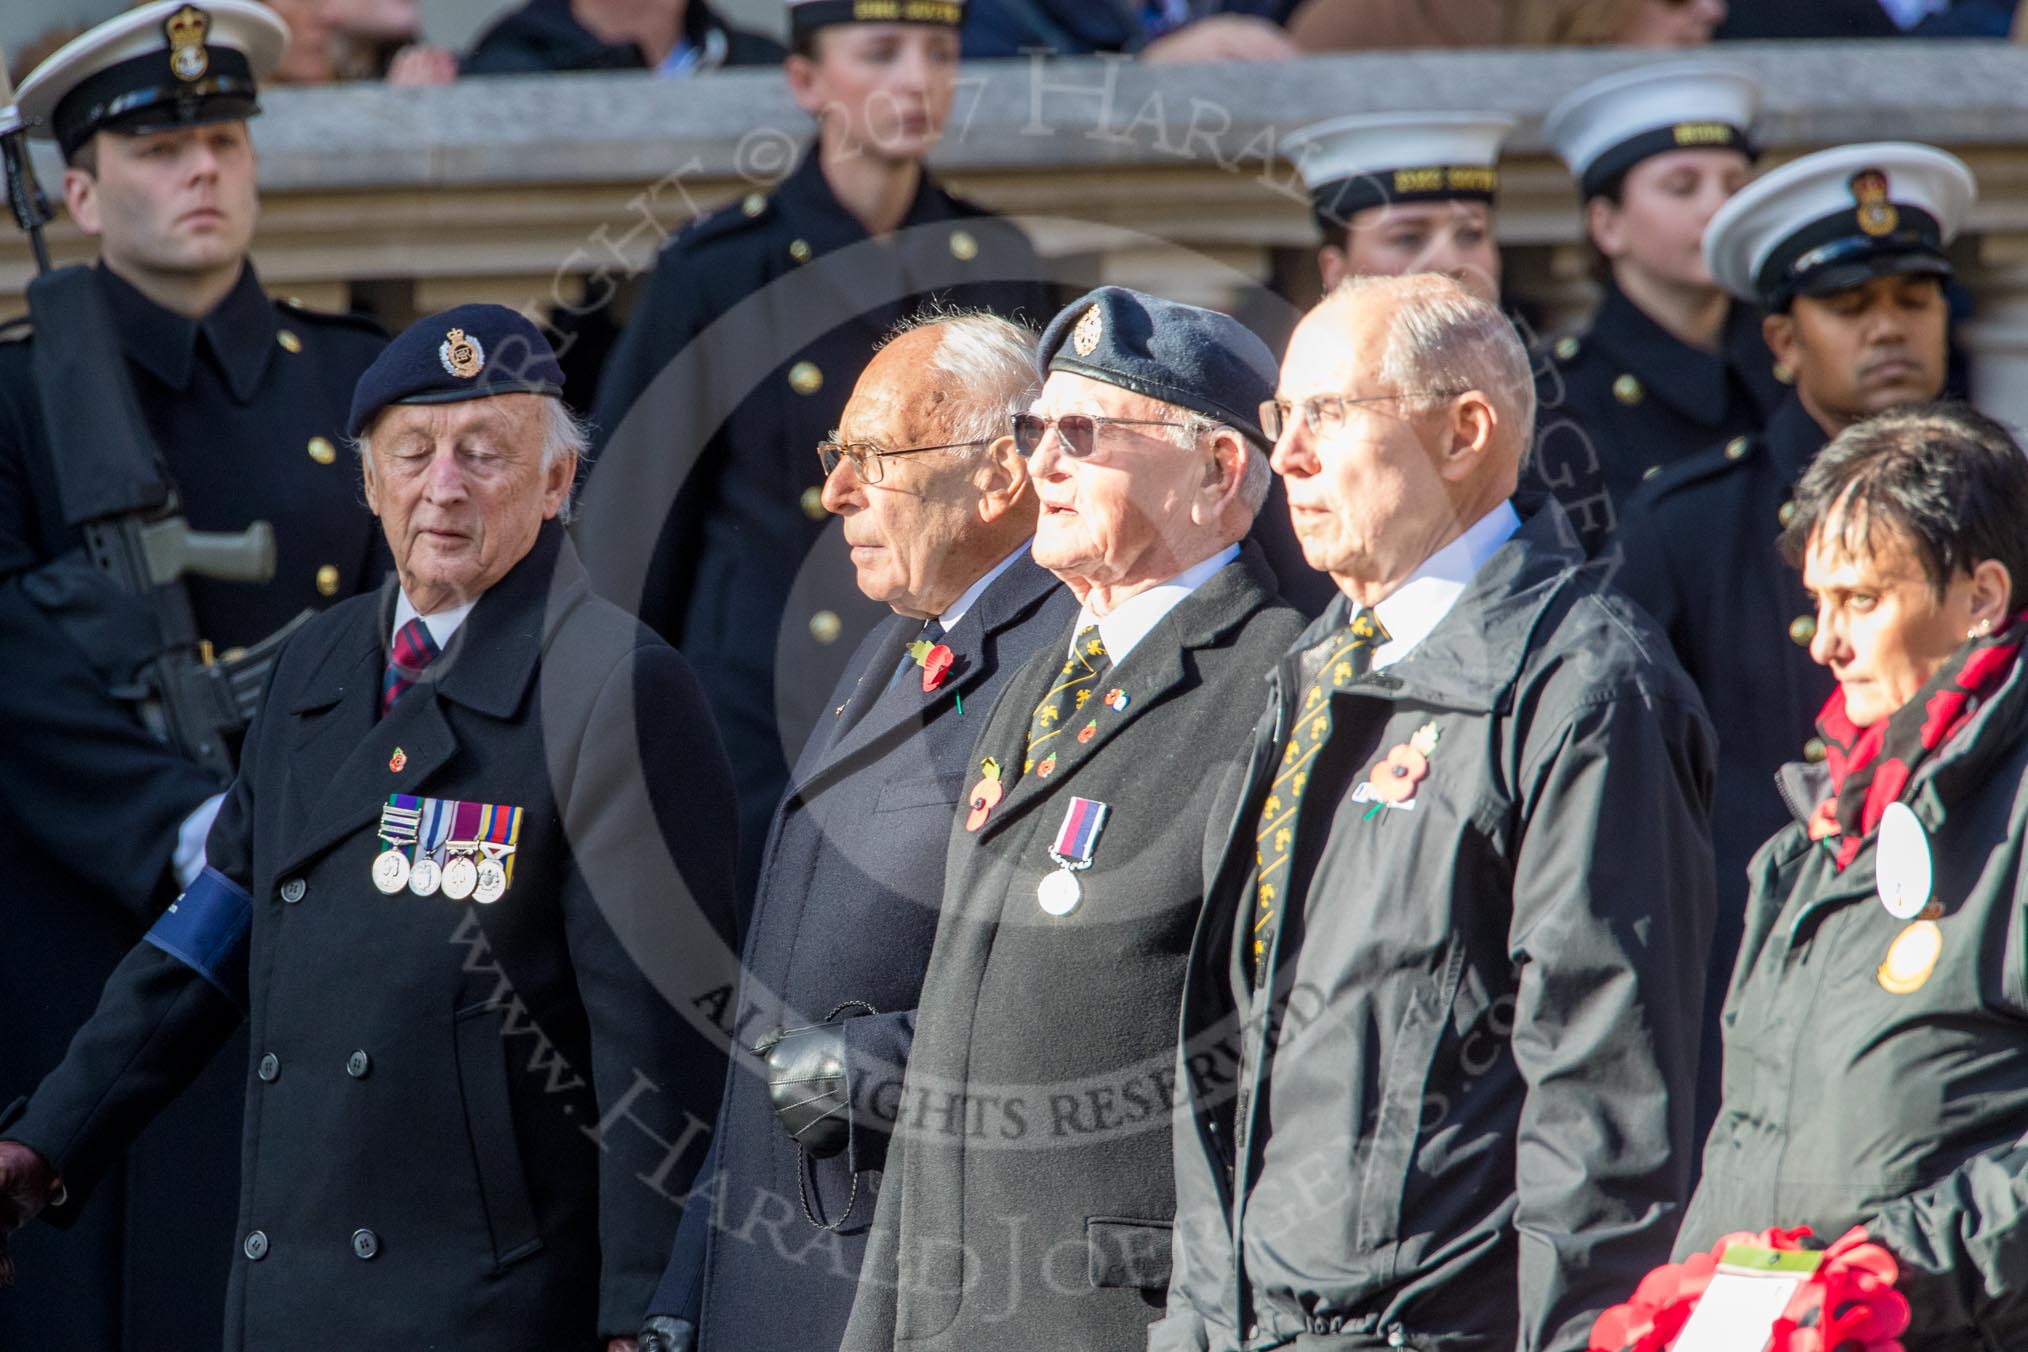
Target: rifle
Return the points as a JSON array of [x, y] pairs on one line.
[[124, 602]]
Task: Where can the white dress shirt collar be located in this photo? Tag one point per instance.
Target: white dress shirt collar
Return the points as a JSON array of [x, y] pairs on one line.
[[1134, 617], [1418, 605], [441, 625], [970, 597]]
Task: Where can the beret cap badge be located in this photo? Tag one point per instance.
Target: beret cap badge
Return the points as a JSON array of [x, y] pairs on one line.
[[1877, 215], [1084, 339], [186, 30], [461, 355]]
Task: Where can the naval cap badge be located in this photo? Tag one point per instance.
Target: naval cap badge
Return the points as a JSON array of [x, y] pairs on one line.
[[1877, 215], [186, 30], [1085, 337], [461, 354]]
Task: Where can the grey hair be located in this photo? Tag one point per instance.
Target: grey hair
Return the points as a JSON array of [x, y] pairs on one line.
[[987, 365], [1443, 340], [563, 433]]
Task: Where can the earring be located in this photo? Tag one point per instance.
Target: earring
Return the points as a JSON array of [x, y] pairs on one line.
[[1980, 630], [1785, 373]]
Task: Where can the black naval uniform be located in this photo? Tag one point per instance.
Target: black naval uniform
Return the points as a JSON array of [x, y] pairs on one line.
[[544, 35], [1628, 399], [733, 427], [248, 409], [1696, 547]]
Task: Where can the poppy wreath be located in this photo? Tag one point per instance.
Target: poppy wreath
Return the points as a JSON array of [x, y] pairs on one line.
[[1848, 1304]]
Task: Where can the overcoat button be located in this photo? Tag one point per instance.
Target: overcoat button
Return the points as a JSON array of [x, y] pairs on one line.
[[1627, 389], [1813, 750], [1785, 513], [1802, 629], [357, 1064], [365, 1244], [322, 451], [813, 503], [825, 626], [290, 343], [1736, 448], [327, 580], [256, 1246], [293, 890], [270, 1068], [1567, 348], [800, 250], [963, 247], [806, 378]]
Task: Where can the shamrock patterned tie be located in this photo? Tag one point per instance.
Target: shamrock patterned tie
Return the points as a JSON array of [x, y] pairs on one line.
[[1350, 657], [414, 649], [1072, 690]]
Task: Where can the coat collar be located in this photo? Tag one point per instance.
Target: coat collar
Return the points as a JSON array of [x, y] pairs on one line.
[[810, 207], [1693, 382], [487, 668], [906, 707], [240, 331], [1473, 656], [1158, 666], [1793, 438]]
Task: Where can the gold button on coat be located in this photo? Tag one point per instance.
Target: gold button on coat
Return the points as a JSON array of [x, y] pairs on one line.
[[800, 250], [1813, 750], [327, 580], [1628, 391], [825, 627], [289, 341], [1786, 514], [1802, 629], [1566, 348], [963, 247], [322, 451], [805, 378], [1735, 448], [813, 503], [753, 204]]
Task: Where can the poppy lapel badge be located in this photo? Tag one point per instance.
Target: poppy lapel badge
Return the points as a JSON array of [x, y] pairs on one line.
[[1394, 781]]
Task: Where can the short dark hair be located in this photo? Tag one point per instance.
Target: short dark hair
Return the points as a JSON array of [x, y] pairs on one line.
[[1950, 480], [85, 157], [804, 43]]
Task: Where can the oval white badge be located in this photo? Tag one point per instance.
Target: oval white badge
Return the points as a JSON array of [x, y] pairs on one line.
[[1902, 873]]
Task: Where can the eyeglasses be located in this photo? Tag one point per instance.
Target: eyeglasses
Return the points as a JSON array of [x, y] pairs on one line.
[[866, 457], [1078, 430], [1325, 413]]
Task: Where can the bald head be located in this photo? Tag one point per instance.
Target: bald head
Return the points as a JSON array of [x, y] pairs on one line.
[[924, 524], [1424, 405]]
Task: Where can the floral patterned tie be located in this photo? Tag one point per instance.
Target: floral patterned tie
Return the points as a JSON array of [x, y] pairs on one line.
[[1071, 692]]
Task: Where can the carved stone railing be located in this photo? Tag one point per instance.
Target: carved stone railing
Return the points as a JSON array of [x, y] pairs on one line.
[[517, 189]]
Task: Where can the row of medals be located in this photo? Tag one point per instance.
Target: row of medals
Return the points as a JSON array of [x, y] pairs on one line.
[[484, 881]]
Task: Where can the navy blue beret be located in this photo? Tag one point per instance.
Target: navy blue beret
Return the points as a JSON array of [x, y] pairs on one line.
[[1180, 354], [471, 352]]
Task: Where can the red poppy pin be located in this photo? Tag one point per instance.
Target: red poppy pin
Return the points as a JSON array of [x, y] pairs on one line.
[[935, 661], [985, 794], [1393, 782], [1088, 731]]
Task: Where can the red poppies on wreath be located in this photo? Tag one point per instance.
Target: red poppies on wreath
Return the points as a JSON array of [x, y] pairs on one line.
[[1848, 1304]]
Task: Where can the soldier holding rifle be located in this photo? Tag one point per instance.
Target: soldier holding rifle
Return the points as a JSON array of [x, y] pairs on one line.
[[172, 492]]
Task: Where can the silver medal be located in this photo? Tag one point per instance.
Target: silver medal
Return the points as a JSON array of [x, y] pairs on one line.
[[461, 875], [1901, 870], [425, 877], [390, 871], [1060, 892], [492, 883]]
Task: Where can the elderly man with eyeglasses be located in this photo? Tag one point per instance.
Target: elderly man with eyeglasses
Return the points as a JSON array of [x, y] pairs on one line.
[[937, 511], [1456, 931], [1027, 1197]]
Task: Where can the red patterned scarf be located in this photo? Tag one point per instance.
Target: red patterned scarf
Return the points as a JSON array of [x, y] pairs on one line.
[[1871, 766]]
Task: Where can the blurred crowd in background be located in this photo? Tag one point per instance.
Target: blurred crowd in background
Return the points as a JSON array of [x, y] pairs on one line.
[[336, 40]]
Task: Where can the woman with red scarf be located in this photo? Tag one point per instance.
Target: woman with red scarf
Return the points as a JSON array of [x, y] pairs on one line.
[[1876, 1030]]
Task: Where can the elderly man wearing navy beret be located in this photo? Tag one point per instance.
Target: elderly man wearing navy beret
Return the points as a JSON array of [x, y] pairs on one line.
[[1028, 1191], [482, 817]]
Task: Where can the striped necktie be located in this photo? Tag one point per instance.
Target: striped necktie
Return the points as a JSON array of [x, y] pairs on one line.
[[1348, 656], [414, 649]]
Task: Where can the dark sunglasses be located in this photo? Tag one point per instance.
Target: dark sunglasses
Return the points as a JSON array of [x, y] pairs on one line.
[[1078, 430]]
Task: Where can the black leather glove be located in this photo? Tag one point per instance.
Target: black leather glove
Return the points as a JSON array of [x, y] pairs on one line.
[[807, 1086], [664, 1334]]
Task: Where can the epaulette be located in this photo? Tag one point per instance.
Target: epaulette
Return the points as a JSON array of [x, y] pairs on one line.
[[1705, 464], [17, 330], [336, 318], [729, 219]]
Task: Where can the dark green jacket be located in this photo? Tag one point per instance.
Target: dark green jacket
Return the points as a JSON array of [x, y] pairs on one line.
[[1847, 1104]]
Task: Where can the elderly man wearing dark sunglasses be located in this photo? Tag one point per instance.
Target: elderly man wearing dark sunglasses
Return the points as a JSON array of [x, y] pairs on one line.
[[1033, 1135]]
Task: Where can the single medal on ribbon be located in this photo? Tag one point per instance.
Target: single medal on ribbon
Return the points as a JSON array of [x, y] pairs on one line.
[[461, 862], [499, 831], [398, 823], [427, 873], [1060, 892]]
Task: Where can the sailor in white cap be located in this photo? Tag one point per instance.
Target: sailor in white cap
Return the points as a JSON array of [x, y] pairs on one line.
[[1396, 193], [244, 399], [1845, 250], [1670, 365]]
